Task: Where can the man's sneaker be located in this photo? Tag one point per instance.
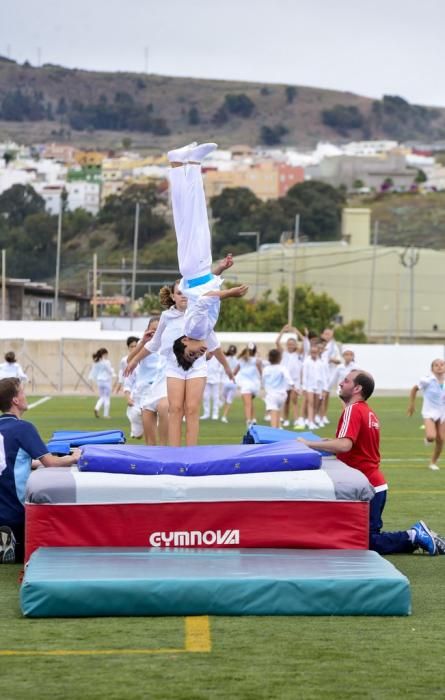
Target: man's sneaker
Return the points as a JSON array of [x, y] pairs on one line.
[[424, 538], [7, 545], [440, 542], [434, 467]]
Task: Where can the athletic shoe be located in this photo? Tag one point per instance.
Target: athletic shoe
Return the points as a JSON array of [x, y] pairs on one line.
[[312, 426], [286, 424], [440, 542], [325, 420], [205, 416], [267, 418], [214, 417], [299, 424], [181, 155], [224, 420], [424, 538], [434, 467], [318, 421], [7, 545]]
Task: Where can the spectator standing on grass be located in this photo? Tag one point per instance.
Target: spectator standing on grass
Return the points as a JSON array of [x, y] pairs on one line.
[[248, 378], [11, 368], [433, 409], [20, 443], [132, 341], [102, 374], [313, 383], [276, 382], [210, 399], [229, 387], [357, 444], [344, 368], [291, 358]]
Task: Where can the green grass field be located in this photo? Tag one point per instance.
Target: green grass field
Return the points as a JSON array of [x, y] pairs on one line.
[[249, 657]]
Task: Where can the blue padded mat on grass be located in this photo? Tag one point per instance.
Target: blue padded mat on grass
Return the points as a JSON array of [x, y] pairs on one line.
[[76, 582], [265, 435], [202, 460], [62, 441]]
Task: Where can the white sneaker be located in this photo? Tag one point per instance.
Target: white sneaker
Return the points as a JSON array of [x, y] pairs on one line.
[[434, 467], [318, 421], [199, 152], [267, 418], [205, 416], [214, 417], [299, 424], [312, 426], [224, 420], [286, 424], [325, 420], [181, 155]]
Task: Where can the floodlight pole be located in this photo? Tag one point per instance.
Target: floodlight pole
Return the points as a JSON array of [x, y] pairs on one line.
[[135, 254]]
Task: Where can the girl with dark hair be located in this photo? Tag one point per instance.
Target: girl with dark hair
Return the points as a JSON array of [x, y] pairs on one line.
[[102, 375]]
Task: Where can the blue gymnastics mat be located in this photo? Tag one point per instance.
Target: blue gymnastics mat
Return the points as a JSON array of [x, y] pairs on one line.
[[202, 460], [265, 435], [96, 582], [62, 441]]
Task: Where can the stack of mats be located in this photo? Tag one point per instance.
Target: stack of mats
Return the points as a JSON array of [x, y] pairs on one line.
[[209, 496], [265, 435], [62, 441]]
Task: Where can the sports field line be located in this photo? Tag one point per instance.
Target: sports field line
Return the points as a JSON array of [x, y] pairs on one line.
[[37, 403], [197, 640]]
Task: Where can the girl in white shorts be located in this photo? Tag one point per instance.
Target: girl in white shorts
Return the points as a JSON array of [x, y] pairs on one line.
[[433, 409], [248, 378], [229, 387], [277, 382]]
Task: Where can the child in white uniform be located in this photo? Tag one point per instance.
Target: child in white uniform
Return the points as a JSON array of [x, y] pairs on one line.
[[276, 382], [344, 368], [313, 383], [433, 408], [211, 391], [132, 341], [229, 387], [292, 359], [102, 374], [11, 368], [248, 378]]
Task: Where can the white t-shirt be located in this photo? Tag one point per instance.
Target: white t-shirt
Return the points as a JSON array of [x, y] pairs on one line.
[[313, 375], [294, 364], [276, 379], [433, 394]]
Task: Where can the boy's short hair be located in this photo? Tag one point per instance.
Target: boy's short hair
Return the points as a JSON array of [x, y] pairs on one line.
[[132, 339], [10, 356], [178, 349], [274, 356], [9, 388]]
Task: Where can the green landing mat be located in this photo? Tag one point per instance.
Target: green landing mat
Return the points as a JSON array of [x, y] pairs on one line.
[[96, 582]]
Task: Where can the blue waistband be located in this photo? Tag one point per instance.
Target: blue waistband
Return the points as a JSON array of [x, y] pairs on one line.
[[196, 281]]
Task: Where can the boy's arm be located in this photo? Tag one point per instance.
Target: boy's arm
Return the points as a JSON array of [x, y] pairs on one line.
[[131, 366], [285, 329]]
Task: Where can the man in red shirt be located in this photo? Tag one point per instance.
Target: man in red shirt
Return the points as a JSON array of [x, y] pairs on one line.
[[357, 444]]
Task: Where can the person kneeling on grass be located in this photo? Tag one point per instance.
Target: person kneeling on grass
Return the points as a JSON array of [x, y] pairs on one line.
[[357, 444], [20, 444], [198, 284]]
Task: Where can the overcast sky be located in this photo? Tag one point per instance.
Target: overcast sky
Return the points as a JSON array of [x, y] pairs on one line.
[[371, 48]]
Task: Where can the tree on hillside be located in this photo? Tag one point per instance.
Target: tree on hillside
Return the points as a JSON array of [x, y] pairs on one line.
[[272, 135], [240, 105], [18, 202], [119, 211], [342, 118], [319, 206], [233, 211]]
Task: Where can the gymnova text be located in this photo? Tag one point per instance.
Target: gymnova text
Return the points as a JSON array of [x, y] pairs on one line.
[[193, 538]]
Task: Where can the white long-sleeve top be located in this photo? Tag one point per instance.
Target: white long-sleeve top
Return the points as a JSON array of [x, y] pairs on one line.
[[101, 371], [313, 375], [276, 379], [12, 370]]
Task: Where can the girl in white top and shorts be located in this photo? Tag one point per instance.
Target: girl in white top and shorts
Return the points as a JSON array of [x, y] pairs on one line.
[[433, 408]]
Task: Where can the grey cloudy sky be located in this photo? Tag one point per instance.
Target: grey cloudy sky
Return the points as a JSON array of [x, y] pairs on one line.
[[370, 48]]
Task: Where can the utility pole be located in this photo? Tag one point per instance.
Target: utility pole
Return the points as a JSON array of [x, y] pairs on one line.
[[59, 245], [291, 282], [135, 254], [94, 286], [372, 285], [409, 259], [3, 284]]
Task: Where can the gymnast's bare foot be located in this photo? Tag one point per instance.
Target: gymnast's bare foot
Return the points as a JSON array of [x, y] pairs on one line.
[[224, 264]]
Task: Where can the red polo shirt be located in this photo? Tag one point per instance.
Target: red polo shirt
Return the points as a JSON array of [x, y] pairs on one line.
[[361, 425]]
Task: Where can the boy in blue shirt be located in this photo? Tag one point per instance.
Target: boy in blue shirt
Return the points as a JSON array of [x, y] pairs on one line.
[[20, 443]]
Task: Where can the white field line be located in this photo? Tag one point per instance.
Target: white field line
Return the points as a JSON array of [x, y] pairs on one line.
[[37, 403]]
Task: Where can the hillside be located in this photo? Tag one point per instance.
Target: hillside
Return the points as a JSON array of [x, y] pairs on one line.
[[89, 108]]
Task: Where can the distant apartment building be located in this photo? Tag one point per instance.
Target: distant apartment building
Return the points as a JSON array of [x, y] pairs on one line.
[[267, 180], [87, 159], [371, 171], [61, 152]]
